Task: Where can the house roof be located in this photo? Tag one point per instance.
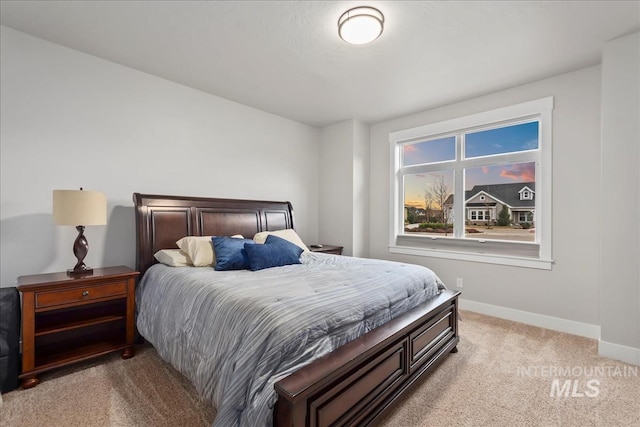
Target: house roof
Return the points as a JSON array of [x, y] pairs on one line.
[[507, 193]]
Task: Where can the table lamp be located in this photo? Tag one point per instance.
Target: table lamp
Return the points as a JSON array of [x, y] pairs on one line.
[[79, 208]]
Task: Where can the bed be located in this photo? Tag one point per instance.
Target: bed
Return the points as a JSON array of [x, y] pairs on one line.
[[351, 383]]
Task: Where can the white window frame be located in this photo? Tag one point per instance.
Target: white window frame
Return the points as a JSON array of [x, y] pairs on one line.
[[526, 194], [522, 254], [486, 214], [526, 214]]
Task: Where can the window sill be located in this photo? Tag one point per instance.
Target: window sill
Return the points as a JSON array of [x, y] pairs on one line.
[[512, 261]]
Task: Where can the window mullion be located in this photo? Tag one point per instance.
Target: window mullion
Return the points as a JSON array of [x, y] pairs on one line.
[[458, 185], [527, 156]]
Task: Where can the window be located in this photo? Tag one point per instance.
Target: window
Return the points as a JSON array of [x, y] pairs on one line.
[[479, 215], [525, 216], [526, 194], [482, 185]]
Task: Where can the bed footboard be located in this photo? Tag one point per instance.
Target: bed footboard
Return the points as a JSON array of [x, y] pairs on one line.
[[354, 384]]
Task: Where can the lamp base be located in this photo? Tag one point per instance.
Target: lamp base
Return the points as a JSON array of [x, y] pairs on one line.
[[87, 271], [80, 249]]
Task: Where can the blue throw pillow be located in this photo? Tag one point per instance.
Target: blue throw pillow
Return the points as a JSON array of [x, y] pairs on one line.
[[230, 253], [275, 252], [286, 245]]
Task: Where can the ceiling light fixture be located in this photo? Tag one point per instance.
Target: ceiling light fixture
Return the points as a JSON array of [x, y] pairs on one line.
[[360, 25]]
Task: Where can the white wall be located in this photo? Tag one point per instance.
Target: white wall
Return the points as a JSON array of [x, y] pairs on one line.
[[570, 290], [620, 200], [360, 189], [344, 187], [335, 225], [69, 120]]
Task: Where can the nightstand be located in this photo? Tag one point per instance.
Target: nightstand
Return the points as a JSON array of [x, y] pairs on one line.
[[67, 319], [327, 249]]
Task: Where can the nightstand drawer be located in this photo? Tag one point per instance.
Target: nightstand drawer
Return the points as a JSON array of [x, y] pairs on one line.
[[87, 293]]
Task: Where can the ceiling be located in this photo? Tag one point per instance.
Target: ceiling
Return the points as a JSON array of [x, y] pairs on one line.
[[286, 58]]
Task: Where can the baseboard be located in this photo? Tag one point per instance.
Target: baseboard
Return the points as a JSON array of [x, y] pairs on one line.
[[548, 322], [619, 352]]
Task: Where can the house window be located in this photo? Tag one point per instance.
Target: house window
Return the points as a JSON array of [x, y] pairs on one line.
[[526, 193], [525, 216], [479, 215], [486, 167]]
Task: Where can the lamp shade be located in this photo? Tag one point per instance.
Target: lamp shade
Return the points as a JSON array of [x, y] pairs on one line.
[[79, 207]]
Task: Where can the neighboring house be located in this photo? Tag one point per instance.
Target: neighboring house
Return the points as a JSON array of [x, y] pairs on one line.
[[415, 211], [483, 203]]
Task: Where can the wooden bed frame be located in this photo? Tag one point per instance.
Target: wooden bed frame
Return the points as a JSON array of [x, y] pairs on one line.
[[357, 382]]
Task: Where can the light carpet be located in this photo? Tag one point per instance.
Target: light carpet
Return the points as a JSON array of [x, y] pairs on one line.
[[505, 374]]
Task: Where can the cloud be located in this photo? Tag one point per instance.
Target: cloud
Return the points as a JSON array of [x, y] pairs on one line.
[[520, 172], [409, 148], [414, 203]]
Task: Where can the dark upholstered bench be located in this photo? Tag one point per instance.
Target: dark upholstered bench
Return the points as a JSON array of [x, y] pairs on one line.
[[9, 339]]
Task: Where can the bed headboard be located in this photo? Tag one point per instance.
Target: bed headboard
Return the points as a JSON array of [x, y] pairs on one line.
[[161, 220]]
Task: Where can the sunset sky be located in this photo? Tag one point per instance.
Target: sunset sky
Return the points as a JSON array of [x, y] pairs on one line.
[[509, 139]]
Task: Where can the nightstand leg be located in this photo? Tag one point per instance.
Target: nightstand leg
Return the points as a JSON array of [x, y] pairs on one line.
[[127, 353], [454, 349], [29, 382]]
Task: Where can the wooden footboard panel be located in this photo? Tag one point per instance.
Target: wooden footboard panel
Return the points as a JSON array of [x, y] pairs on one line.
[[355, 384]]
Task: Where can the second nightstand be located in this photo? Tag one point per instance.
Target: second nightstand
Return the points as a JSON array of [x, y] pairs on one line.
[[66, 319], [327, 249]]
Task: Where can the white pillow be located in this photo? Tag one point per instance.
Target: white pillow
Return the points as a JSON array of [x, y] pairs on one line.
[[199, 249], [288, 234], [172, 258]]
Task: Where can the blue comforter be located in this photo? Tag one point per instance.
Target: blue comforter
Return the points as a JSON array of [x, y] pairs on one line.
[[234, 334]]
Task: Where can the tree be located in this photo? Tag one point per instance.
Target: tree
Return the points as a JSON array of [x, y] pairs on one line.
[[504, 218], [438, 194], [411, 216], [428, 205]]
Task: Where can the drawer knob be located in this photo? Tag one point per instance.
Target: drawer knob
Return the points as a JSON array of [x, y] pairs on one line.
[[85, 293]]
